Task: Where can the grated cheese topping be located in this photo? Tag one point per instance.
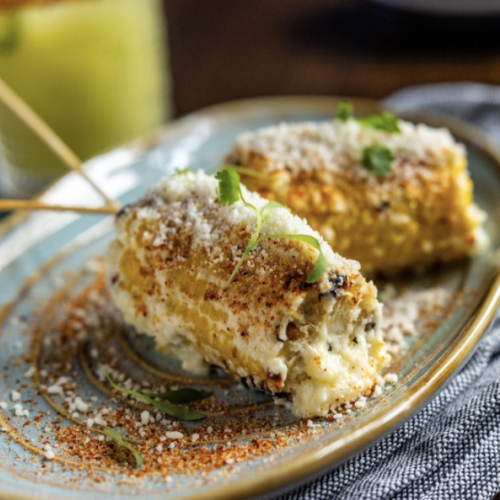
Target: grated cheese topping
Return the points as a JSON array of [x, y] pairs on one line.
[[337, 145], [402, 310], [187, 203]]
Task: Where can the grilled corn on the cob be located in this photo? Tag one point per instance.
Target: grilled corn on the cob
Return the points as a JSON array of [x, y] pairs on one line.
[[319, 343], [419, 214]]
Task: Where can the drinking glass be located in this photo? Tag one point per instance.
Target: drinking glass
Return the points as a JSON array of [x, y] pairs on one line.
[[94, 70]]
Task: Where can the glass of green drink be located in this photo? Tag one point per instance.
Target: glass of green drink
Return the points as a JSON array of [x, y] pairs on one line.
[[94, 70]]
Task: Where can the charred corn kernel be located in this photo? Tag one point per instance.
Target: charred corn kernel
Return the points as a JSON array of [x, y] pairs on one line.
[[318, 343], [316, 170]]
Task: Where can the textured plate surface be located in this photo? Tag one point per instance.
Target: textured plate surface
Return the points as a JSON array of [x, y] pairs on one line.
[[45, 254]]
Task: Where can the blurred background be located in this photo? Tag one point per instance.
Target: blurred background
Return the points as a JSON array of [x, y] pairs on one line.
[[103, 72], [223, 49]]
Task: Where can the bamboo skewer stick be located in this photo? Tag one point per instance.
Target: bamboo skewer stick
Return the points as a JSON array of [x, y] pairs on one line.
[[8, 205], [32, 120]]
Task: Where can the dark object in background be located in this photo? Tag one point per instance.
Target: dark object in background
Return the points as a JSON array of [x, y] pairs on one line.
[[224, 50], [368, 27]]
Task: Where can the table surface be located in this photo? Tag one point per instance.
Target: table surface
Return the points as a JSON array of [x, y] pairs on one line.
[[226, 49]]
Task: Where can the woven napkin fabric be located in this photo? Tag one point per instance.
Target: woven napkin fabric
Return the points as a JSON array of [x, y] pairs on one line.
[[450, 449]]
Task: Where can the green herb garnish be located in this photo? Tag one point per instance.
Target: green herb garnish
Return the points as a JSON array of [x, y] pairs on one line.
[[378, 159], [344, 111], [116, 436], [229, 189], [386, 122], [167, 406], [229, 192]]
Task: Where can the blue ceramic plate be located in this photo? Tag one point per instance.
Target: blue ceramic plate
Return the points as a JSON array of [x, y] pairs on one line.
[[44, 262]]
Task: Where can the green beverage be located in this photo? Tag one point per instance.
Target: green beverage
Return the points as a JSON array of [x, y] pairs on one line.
[[94, 70]]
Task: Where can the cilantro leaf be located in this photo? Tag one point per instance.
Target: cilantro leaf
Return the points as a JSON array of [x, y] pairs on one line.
[[344, 111], [166, 406], [386, 122], [321, 264], [116, 436], [378, 159], [229, 189]]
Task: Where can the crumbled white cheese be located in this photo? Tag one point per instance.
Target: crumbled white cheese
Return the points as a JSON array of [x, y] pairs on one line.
[[55, 389], [80, 405], [99, 420], [336, 145], [145, 417], [391, 378], [15, 396], [174, 435], [402, 309], [360, 403], [49, 452]]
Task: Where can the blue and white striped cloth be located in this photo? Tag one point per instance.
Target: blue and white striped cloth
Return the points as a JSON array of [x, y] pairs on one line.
[[451, 449]]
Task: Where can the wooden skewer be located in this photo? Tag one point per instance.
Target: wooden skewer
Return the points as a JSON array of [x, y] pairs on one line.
[[7, 205], [31, 119]]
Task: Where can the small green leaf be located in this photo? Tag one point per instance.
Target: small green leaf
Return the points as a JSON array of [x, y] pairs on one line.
[[378, 159], [186, 170], [167, 407], [228, 190], [179, 412], [179, 396], [116, 436], [344, 111], [321, 264], [386, 122], [266, 211]]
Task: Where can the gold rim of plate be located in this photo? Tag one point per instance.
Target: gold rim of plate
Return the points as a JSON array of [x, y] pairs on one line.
[[313, 463]]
